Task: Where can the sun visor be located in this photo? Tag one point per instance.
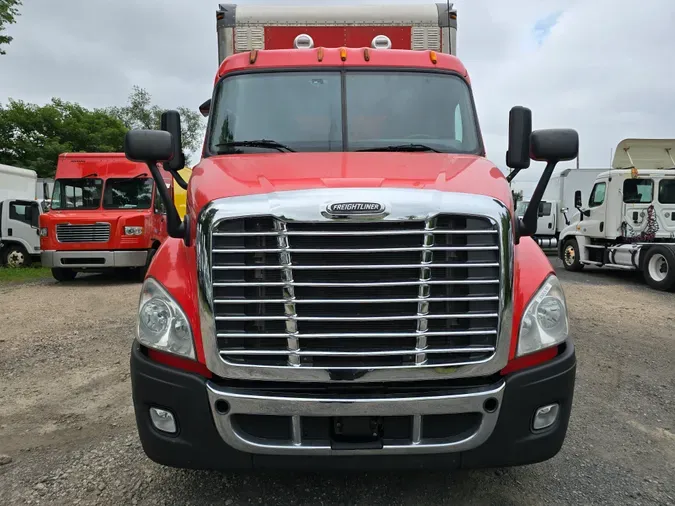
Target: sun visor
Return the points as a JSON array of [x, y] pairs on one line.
[[645, 154]]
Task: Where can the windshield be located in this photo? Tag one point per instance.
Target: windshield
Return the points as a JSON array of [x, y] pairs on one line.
[[353, 110], [128, 193], [77, 193]]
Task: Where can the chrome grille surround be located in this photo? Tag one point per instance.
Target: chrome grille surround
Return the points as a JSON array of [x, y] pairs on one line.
[[308, 206], [69, 233]]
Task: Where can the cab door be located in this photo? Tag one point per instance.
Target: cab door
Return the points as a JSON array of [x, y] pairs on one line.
[[23, 224], [593, 218], [638, 196], [546, 215], [666, 209]]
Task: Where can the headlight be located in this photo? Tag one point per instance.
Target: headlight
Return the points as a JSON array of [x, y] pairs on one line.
[[162, 324], [43, 232], [133, 230], [544, 322]]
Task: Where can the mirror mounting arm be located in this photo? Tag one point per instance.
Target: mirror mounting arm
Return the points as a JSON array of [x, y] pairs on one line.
[[527, 225], [512, 174], [174, 225]]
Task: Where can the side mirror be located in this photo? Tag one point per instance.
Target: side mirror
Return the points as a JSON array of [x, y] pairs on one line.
[[520, 128], [149, 146], [170, 122], [577, 199], [205, 108], [554, 145]]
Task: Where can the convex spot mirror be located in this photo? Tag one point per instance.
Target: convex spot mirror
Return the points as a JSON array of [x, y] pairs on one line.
[[554, 145], [148, 146]]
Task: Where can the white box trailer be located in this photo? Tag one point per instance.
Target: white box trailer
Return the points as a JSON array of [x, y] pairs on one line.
[[17, 183], [244, 27]]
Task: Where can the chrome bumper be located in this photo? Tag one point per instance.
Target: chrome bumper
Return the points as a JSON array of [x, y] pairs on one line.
[[297, 407], [93, 259]]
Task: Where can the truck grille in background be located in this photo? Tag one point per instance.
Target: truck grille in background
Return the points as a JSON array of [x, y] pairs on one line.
[[357, 294], [99, 232]]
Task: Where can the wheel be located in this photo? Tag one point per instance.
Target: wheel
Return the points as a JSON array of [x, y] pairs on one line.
[[63, 275], [658, 268], [16, 256], [570, 255], [142, 271]]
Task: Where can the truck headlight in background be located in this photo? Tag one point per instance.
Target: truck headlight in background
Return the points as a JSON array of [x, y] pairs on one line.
[[162, 324], [44, 231], [544, 322], [133, 230]]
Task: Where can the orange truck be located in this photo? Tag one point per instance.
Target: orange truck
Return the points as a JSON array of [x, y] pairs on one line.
[[105, 214], [350, 285]]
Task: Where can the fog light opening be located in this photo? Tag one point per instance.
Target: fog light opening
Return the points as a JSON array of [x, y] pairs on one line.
[[491, 405], [163, 420], [222, 407], [545, 416]]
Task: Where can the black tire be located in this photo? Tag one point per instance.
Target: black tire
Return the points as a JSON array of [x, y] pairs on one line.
[[15, 255], [63, 275], [569, 254], [658, 268], [144, 270]]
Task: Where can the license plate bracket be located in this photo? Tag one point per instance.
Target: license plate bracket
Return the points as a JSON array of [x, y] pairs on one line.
[[356, 432]]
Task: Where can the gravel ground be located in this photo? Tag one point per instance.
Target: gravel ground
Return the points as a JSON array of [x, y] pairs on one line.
[[67, 434]]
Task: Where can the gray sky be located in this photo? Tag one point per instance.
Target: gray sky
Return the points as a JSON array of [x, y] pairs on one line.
[[603, 67]]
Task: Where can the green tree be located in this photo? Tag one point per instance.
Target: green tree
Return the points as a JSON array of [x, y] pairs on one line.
[[9, 10], [140, 112], [32, 136], [517, 196]]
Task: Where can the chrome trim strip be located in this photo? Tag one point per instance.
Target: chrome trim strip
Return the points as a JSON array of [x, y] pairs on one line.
[[333, 267], [364, 353], [374, 232], [297, 407], [306, 206], [360, 250], [359, 318], [369, 284]]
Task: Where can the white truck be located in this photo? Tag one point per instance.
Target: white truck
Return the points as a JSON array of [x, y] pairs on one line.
[[628, 221], [19, 214], [557, 206]]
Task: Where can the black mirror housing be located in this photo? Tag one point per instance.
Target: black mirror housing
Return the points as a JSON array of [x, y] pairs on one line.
[[148, 146], [205, 108], [554, 145], [170, 122], [577, 199], [520, 128]]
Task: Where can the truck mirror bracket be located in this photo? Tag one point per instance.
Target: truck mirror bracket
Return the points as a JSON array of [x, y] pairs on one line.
[[174, 225]]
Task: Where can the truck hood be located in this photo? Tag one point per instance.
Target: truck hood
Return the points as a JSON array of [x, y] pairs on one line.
[[234, 175]]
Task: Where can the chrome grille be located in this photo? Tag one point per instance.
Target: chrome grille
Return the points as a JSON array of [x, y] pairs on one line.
[[98, 232], [356, 294]]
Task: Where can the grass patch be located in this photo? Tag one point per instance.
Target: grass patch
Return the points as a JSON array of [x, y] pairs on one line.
[[13, 275]]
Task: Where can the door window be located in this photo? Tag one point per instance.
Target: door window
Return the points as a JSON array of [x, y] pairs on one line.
[[19, 212], [667, 191], [597, 197], [638, 191]]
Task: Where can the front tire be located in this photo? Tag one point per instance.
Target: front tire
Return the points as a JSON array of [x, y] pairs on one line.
[[16, 256], [658, 268], [63, 275], [570, 255]]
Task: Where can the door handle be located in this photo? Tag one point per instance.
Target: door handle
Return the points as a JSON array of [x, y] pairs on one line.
[[9, 231]]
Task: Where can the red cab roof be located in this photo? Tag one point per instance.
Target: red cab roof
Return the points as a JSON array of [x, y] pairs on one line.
[[103, 165]]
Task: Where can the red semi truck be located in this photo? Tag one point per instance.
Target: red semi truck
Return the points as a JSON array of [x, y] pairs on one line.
[[104, 215], [350, 285]]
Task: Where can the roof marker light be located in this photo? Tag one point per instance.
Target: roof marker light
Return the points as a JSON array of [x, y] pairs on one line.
[[253, 57], [381, 42], [366, 54], [319, 54], [303, 41], [433, 57], [343, 53]]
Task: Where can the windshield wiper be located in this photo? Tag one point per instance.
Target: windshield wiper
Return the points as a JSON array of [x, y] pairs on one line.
[[403, 147], [260, 143]]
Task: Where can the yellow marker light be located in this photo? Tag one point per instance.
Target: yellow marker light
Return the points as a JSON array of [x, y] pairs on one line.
[[343, 54], [366, 54], [319, 54], [433, 57], [254, 56]]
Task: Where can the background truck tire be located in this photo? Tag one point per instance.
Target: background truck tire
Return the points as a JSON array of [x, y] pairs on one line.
[[14, 255], [63, 275], [569, 254], [658, 268]]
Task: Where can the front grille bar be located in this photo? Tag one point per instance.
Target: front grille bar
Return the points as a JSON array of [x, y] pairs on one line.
[[364, 285], [349, 267], [289, 294], [352, 301], [359, 318], [424, 291], [366, 353], [346, 232], [355, 250], [459, 333]]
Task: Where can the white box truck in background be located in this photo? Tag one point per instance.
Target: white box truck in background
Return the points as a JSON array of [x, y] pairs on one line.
[[556, 209], [19, 214]]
